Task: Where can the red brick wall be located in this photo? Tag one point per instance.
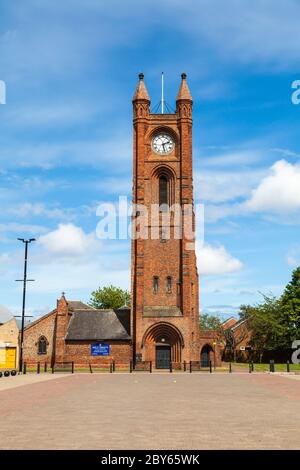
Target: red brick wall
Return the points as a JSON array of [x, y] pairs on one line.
[[44, 327], [80, 353]]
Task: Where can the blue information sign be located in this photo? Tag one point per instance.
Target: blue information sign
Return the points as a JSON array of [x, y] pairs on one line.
[[100, 349]]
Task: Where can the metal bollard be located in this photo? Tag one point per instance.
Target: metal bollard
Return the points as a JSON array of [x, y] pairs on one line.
[[38, 368], [72, 367], [131, 367], [114, 366], [288, 366], [184, 366], [250, 368], [91, 370], [110, 368], [24, 368], [150, 367], [45, 367], [190, 367], [171, 367], [272, 366], [230, 368], [210, 367]]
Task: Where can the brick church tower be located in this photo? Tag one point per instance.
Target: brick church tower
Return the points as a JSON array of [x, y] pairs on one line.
[[165, 310]]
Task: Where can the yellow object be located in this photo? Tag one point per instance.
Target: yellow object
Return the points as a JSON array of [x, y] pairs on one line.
[[7, 358]]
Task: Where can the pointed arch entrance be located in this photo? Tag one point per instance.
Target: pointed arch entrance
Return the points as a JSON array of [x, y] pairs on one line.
[[162, 344], [206, 355]]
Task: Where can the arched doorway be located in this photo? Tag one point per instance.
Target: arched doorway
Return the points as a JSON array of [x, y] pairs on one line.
[[162, 344], [206, 355]]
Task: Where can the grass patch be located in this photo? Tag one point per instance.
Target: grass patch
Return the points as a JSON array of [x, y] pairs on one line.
[[265, 367]]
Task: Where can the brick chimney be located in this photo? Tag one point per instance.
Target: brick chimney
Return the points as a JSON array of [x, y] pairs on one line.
[[62, 320]]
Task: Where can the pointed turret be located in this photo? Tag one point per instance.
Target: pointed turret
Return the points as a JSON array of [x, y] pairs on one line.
[[184, 92], [141, 92]]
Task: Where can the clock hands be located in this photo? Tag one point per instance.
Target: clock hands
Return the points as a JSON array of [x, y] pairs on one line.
[[163, 144]]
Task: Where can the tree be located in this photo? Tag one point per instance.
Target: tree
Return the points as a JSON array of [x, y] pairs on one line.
[[109, 297], [210, 322], [266, 323], [290, 305]]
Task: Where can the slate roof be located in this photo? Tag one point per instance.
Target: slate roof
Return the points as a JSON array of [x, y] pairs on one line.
[[78, 305], [94, 325]]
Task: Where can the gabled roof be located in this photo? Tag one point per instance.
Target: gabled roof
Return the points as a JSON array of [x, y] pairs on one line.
[[238, 323], [96, 325], [73, 306], [229, 323], [30, 324], [77, 304]]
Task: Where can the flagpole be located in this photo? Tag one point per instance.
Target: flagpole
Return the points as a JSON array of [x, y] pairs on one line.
[[162, 93]]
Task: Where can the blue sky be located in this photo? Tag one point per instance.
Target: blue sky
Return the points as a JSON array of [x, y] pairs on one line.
[[70, 70]]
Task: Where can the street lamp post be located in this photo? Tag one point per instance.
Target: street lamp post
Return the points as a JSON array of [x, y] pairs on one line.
[[24, 280]]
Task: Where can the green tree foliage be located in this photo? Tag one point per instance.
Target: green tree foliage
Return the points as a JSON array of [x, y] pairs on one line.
[[210, 322], [266, 323], [290, 305], [109, 297]]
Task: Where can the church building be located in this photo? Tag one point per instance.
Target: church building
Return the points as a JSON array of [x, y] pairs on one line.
[[162, 325]]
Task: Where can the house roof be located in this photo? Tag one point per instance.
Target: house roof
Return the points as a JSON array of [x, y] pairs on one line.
[[78, 305], [92, 324], [238, 324], [72, 304], [229, 323]]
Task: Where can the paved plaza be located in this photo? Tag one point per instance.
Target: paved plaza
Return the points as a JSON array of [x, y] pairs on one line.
[[150, 411]]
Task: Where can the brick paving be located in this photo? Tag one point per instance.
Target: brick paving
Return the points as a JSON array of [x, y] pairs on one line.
[[152, 411]]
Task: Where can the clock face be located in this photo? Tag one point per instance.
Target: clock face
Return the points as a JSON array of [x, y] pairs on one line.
[[163, 144]]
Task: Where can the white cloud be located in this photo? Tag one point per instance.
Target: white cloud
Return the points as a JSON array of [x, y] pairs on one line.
[[218, 186], [251, 31], [279, 191], [216, 260], [22, 228], [276, 192], [100, 153], [67, 240], [36, 210], [286, 152], [47, 113], [293, 257], [231, 158]]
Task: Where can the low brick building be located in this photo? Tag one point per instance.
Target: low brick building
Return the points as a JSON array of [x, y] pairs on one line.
[[75, 332], [9, 344], [237, 339]]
